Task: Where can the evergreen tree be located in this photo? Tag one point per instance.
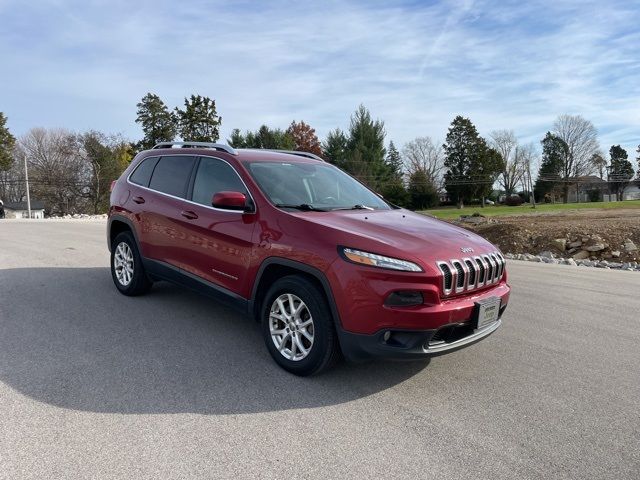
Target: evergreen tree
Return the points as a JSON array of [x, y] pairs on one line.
[[199, 121], [237, 140], [158, 123], [365, 157], [264, 137], [621, 170], [393, 188], [7, 142], [422, 193], [394, 160], [472, 167], [554, 152], [335, 148]]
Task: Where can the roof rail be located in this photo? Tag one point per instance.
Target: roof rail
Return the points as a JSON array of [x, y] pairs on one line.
[[290, 152], [215, 146]]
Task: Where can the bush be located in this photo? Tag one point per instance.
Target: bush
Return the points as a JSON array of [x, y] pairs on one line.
[[513, 201], [594, 195]]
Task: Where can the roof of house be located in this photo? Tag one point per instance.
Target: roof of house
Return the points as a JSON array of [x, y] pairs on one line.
[[35, 205], [587, 179]]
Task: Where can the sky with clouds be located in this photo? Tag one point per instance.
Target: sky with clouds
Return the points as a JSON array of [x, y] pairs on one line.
[[415, 64]]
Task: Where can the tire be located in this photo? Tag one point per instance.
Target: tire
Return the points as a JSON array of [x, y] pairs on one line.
[[311, 329], [127, 270]]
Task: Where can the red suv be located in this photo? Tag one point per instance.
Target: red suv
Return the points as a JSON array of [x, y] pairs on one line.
[[322, 262]]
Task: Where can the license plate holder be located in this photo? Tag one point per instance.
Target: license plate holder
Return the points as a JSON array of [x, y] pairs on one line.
[[487, 312]]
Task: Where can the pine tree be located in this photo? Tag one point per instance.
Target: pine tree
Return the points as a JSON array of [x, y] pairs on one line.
[[365, 157], [554, 152], [335, 148], [621, 170], [7, 142], [472, 167], [237, 140], [264, 137], [392, 187], [158, 123], [198, 121]]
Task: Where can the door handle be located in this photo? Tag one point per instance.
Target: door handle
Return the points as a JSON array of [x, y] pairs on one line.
[[189, 214], [138, 200]]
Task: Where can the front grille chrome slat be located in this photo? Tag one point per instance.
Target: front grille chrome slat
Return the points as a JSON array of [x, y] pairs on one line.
[[467, 274]]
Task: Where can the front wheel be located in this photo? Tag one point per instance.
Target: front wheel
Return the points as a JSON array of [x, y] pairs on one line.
[[297, 326]]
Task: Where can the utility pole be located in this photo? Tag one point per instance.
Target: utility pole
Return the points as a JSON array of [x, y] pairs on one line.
[[26, 177]]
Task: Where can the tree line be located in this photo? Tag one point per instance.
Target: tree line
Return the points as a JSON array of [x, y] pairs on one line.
[[71, 172]]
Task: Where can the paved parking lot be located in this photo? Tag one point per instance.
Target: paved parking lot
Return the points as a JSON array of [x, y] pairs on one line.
[[172, 385]]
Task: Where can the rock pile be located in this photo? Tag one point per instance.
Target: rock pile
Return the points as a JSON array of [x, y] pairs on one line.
[[583, 247], [549, 257]]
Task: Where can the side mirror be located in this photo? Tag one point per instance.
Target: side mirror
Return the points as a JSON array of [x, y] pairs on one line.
[[230, 201]]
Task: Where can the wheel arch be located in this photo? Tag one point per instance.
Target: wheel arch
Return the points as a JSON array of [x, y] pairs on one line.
[[273, 268], [118, 224]]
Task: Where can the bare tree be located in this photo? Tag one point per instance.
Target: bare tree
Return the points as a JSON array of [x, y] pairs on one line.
[[506, 144], [599, 163], [58, 176], [581, 138], [423, 155], [527, 159]]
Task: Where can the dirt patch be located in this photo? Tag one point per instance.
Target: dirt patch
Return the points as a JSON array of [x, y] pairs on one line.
[[537, 233]]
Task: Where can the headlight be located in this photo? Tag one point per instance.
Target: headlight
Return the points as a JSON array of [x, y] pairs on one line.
[[375, 260]]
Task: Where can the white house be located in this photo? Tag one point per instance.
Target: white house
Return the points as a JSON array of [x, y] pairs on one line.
[[20, 210], [632, 191]]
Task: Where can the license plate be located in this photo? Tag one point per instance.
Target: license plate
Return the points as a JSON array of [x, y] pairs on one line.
[[488, 311]]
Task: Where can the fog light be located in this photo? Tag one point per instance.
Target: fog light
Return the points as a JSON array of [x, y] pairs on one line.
[[404, 298], [386, 336]]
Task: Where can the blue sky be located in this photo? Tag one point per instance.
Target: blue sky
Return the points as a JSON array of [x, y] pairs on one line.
[[508, 64]]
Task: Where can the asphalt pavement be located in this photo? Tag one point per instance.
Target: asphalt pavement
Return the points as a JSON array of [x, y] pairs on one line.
[[172, 385]]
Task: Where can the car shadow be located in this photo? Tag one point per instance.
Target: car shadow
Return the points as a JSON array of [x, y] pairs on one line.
[[68, 338]]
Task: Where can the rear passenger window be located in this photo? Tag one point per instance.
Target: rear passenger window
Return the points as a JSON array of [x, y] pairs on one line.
[[215, 176], [171, 175], [142, 174]]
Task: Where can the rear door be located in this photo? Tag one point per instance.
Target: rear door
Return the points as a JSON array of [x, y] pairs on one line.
[[218, 244], [165, 202]]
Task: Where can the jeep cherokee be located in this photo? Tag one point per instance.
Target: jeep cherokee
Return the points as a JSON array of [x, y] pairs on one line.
[[326, 266]]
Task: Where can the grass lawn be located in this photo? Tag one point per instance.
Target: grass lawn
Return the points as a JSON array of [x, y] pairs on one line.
[[525, 209]]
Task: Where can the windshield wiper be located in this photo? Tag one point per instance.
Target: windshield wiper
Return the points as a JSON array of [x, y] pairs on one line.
[[305, 207], [356, 207]]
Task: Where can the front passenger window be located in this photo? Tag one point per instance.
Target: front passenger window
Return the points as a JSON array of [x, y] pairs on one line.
[[215, 176]]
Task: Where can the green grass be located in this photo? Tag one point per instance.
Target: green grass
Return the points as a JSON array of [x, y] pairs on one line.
[[525, 209]]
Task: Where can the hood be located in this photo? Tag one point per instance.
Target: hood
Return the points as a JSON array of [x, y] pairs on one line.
[[400, 233]]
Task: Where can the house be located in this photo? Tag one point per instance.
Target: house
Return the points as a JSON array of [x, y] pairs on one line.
[[20, 210], [632, 191], [586, 188]]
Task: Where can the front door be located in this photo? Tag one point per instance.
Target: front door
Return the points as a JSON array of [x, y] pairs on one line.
[[218, 243]]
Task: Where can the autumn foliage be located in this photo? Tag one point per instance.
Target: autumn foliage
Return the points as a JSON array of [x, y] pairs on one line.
[[304, 137]]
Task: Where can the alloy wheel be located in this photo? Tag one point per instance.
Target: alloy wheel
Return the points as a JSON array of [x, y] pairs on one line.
[[291, 327]]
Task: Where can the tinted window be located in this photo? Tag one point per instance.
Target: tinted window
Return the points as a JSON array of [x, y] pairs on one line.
[[142, 173], [215, 176], [171, 175]]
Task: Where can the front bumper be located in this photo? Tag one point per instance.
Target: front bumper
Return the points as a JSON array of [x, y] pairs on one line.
[[413, 344]]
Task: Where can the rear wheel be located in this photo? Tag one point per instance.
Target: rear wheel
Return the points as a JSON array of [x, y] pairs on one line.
[[127, 270], [298, 327]]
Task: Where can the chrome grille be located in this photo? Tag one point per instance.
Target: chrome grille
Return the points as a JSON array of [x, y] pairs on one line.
[[466, 274]]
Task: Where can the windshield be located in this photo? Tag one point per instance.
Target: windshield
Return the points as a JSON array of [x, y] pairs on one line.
[[312, 187]]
